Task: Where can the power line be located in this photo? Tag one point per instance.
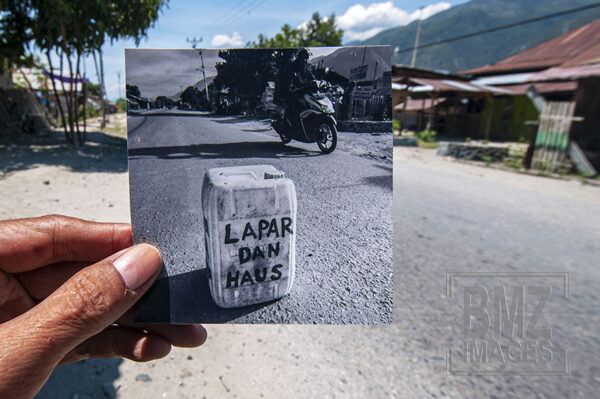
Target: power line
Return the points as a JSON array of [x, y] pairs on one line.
[[250, 9], [481, 32], [239, 12], [227, 14]]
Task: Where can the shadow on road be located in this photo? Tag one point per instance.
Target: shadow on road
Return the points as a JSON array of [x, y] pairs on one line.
[[236, 119], [101, 153], [89, 378], [385, 167], [186, 288], [264, 129], [159, 113], [252, 149], [384, 181]]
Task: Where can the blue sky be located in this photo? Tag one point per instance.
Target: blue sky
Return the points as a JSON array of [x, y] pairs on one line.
[[232, 23]]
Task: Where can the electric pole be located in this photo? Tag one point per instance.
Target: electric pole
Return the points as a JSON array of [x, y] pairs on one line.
[[204, 75], [414, 54]]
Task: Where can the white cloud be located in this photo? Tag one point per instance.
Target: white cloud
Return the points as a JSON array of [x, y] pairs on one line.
[[223, 40], [360, 22]]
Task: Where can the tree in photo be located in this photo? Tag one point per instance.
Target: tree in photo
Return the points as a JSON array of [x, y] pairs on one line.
[[245, 74]]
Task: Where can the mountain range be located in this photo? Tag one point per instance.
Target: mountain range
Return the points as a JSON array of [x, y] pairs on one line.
[[477, 15]]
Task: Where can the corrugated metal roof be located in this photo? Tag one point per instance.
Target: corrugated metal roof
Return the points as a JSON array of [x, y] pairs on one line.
[[448, 85], [418, 104], [591, 56], [500, 80], [580, 42], [548, 87], [572, 73]]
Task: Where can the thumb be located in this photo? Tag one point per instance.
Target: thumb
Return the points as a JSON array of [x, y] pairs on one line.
[[89, 302]]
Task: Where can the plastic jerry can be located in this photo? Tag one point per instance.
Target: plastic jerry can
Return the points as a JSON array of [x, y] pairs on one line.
[[250, 234]]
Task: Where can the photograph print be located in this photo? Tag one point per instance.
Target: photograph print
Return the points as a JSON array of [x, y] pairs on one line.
[[264, 176]]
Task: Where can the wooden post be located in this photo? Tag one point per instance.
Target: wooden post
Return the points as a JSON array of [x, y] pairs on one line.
[[422, 116], [403, 115], [430, 114], [488, 123]]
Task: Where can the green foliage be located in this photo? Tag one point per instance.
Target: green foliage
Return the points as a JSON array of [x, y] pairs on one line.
[[517, 151], [93, 88], [316, 32], [427, 136], [90, 112], [71, 29], [395, 124], [121, 104], [467, 140], [15, 35], [514, 163], [487, 159]]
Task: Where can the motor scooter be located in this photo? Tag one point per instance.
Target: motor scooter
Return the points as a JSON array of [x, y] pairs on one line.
[[308, 116]]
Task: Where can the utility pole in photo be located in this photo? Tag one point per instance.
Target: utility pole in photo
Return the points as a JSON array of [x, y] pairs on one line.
[[195, 42], [414, 54], [204, 76]]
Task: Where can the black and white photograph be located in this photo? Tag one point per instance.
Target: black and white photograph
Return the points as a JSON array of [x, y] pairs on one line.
[[264, 176]]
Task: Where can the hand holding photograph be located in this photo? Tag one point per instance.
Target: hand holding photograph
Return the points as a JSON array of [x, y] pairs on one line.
[[264, 176]]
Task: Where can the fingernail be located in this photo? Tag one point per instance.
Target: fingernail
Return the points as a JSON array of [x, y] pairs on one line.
[[124, 236], [138, 265]]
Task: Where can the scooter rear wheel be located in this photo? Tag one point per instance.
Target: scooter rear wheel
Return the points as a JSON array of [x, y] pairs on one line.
[[284, 139], [327, 137]]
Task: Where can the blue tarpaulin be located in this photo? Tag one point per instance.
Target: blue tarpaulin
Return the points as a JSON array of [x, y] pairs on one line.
[[65, 79]]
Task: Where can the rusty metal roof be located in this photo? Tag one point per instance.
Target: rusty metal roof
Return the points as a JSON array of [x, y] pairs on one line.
[[544, 87], [580, 46], [449, 85], [572, 73], [419, 104]]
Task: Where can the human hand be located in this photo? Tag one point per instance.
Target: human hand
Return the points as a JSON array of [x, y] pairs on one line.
[[67, 287]]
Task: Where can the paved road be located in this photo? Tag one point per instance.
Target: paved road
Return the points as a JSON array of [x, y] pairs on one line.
[[344, 242], [447, 216], [451, 217]]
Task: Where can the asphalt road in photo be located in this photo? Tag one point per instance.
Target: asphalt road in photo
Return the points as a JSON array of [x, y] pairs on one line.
[[344, 241]]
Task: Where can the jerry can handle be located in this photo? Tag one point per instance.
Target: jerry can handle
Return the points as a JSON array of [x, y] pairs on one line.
[[274, 175]]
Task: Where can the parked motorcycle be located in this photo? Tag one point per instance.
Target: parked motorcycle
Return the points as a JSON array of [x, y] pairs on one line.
[[308, 116]]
